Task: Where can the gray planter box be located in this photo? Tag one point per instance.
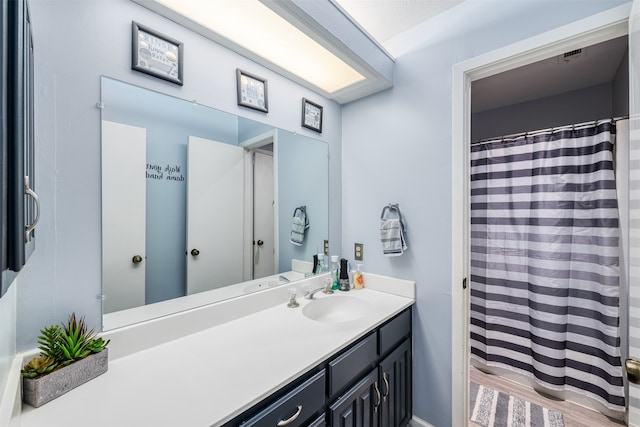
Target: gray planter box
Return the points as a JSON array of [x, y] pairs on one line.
[[36, 392]]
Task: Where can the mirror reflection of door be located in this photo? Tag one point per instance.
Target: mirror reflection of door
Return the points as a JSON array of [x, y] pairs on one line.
[[215, 188], [123, 215], [264, 249]]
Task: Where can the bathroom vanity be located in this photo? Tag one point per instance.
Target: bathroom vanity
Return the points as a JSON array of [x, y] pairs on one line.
[[253, 361], [367, 384]]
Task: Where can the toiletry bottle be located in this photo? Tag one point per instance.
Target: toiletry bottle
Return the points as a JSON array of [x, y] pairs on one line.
[[358, 278], [322, 267], [344, 275], [315, 264], [335, 272]]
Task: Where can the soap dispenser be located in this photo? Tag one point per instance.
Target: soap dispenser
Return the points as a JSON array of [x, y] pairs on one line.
[[358, 278], [344, 275]]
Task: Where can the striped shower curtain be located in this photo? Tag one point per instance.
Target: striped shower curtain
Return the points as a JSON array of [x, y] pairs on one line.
[[544, 260]]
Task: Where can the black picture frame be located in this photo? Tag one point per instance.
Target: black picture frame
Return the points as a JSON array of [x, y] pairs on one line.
[[252, 91], [311, 115], [156, 54]]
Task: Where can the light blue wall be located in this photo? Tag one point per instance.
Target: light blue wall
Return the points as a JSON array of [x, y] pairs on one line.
[[75, 43], [397, 148], [301, 183]]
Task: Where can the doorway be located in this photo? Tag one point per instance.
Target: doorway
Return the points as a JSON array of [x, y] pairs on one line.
[[561, 92], [600, 28], [264, 248], [261, 209]]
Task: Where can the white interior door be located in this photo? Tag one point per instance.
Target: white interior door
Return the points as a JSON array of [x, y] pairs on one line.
[[634, 205], [263, 219], [215, 195], [123, 215]]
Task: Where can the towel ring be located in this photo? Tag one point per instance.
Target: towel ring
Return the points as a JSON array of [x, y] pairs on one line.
[[394, 207]]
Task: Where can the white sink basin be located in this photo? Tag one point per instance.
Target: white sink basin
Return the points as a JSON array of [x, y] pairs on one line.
[[336, 309]]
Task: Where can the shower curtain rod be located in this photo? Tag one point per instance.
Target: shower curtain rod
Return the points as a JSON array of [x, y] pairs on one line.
[[548, 130]]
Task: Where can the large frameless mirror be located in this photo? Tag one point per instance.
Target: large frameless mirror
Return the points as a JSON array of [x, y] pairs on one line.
[[198, 205]]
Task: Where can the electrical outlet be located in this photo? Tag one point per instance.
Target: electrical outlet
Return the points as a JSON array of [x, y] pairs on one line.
[[358, 251], [326, 247]]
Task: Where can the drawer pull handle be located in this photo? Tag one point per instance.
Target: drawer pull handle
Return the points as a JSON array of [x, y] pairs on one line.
[[29, 228], [291, 419], [385, 377], [375, 386]]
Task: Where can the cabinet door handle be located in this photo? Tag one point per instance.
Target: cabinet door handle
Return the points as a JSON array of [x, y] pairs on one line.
[[375, 386], [385, 377], [30, 192], [290, 419]]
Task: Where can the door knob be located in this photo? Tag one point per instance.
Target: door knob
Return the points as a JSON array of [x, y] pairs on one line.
[[260, 242], [137, 259], [195, 252], [632, 368]]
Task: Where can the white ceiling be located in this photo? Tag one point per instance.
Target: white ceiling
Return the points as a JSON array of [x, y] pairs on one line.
[[384, 19]]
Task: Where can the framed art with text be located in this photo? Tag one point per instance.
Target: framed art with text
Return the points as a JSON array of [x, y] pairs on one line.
[[155, 54], [311, 115], [252, 91]]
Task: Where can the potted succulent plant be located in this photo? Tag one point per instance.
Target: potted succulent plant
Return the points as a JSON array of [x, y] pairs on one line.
[[70, 355]]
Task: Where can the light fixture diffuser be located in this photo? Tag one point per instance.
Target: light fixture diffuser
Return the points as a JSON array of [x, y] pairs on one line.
[[252, 25]]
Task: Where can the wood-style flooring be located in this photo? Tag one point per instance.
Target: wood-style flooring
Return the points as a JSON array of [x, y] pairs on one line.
[[574, 415]]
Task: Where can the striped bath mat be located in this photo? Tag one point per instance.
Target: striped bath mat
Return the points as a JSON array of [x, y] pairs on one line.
[[491, 408]]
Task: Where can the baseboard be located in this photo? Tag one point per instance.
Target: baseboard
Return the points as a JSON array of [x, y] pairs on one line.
[[11, 402], [418, 422]]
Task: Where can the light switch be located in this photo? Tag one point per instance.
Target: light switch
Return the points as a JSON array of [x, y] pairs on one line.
[[326, 247]]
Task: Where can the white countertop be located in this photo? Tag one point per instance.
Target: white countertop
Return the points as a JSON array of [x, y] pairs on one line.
[[208, 377]]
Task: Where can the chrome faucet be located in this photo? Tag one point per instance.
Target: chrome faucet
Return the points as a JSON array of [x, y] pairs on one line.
[[326, 289]]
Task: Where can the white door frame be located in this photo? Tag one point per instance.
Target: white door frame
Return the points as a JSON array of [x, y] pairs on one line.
[[269, 137], [594, 29]]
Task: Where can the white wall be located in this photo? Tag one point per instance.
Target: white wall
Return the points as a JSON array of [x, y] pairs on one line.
[[75, 43], [397, 148], [7, 333]]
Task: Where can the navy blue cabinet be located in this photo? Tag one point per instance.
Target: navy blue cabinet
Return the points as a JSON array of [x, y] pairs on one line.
[[358, 407], [394, 378], [294, 408], [19, 208], [368, 384]]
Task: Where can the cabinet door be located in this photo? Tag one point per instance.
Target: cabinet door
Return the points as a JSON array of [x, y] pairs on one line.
[[395, 386], [319, 422], [359, 406], [19, 202]]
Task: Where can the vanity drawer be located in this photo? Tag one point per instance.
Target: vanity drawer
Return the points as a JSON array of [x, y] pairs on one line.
[[305, 400], [346, 367], [394, 331]]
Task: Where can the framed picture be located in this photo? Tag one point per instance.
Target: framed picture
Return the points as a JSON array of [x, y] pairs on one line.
[[252, 91], [311, 115], [155, 54]]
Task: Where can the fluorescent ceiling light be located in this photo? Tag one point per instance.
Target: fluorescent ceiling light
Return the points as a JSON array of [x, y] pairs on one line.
[[260, 30]]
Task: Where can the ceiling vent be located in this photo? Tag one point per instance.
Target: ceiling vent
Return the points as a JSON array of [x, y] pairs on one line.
[[574, 54]]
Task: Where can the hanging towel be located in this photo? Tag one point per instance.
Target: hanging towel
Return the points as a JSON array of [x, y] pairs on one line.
[[299, 225], [392, 231]]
